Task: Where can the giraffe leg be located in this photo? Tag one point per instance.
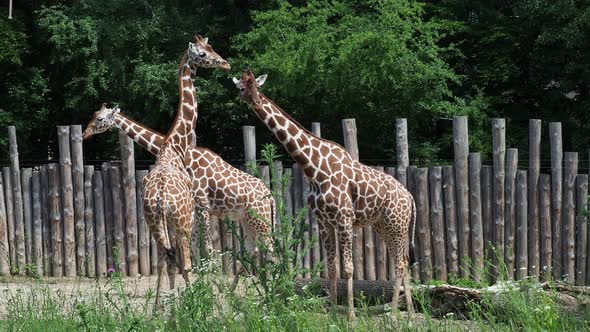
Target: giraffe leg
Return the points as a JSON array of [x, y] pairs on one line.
[[161, 265], [171, 262], [345, 232], [184, 248], [194, 241], [401, 265], [329, 236], [408, 292], [206, 220], [399, 275]]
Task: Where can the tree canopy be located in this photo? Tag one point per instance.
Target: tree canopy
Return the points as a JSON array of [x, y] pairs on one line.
[[327, 60]]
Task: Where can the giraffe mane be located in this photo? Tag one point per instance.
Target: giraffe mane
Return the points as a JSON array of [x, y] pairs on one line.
[[179, 108]]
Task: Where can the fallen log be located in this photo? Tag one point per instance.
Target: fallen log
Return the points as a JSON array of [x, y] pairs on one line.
[[441, 299], [373, 290]]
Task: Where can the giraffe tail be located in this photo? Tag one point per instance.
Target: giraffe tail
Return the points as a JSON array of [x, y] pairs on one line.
[[163, 207], [413, 254]]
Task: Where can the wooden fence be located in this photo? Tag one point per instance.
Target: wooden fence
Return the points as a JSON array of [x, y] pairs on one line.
[[474, 220]]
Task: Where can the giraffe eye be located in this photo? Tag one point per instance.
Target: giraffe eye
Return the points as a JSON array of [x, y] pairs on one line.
[[242, 89], [100, 119], [202, 54]]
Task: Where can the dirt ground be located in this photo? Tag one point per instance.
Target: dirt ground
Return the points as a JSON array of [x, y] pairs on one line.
[[70, 290]]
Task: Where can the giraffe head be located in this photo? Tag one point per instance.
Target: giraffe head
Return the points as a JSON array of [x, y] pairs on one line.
[[201, 54], [101, 121], [249, 85]]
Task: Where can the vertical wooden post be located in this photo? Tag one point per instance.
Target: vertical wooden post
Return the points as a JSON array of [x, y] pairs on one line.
[[545, 225], [46, 222], [277, 184], [533, 199], [154, 246], [89, 234], [249, 134], [521, 225], [128, 176], [264, 171], [100, 225], [350, 137], [108, 214], [298, 204], [581, 228], [438, 223], [19, 228], [78, 185], [4, 251], [452, 246], [118, 219], [499, 152], [56, 220], [67, 200], [37, 241], [307, 263], [403, 157], [415, 270], [226, 240], [143, 231], [510, 211], [556, 197], [316, 129], [569, 214], [381, 256], [350, 144], [423, 223], [8, 192], [288, 172], [486, 216], [300, 192], [26, 177], [475, 214], [461, 151]]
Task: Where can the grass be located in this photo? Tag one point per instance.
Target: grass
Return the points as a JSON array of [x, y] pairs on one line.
[[209, 305]]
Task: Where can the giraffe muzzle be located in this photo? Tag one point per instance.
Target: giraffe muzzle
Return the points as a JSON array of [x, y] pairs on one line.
[[87, 133]]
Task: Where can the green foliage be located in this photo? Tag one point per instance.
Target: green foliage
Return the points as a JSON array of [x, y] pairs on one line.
[[528, 59], [375, 60]]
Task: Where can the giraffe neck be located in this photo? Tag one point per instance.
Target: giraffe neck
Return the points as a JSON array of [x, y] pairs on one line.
[[146, 137], [297, 140], [181, 135]]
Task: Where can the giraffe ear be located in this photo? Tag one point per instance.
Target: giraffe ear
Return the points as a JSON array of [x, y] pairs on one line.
[[206, 40], [236, 82], [261, 79]]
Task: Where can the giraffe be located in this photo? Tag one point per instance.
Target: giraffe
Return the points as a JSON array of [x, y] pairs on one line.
[[220, 188], [168, 203], [344, 193]]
